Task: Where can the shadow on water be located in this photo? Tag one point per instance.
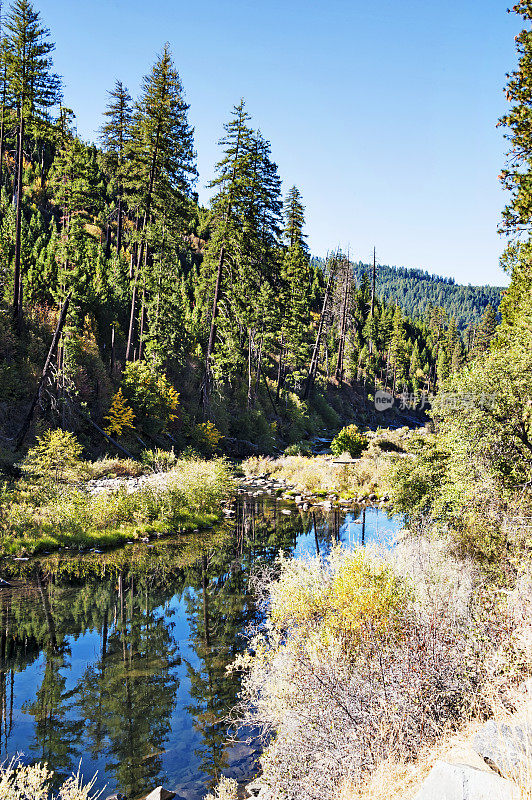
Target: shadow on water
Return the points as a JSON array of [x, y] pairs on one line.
[[119, 659]]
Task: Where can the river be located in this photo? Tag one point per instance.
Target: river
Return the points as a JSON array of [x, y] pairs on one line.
[[118, 659]]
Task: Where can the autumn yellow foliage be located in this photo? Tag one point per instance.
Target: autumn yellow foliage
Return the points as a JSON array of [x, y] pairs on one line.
[[362, 597], [207, 437], [120, 415]]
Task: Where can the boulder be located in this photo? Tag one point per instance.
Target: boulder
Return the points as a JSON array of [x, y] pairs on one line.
[[161, 794], [507, 748], [462, 782]]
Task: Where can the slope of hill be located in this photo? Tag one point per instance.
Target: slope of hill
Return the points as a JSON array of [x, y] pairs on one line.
[[415, 289]]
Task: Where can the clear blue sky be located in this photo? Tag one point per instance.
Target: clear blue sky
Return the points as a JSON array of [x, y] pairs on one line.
[[383, 114]]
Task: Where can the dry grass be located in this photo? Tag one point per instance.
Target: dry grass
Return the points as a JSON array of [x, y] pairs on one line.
[[358, 478], [113, 468], [401, 780]]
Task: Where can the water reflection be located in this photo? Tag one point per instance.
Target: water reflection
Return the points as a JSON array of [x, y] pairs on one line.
[[120, 658]]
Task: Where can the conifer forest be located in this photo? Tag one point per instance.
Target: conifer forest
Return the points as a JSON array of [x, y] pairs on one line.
[[224, 303], [265, 510]]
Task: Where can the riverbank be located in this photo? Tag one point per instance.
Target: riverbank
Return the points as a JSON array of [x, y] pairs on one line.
[[42, 516], [355, 480], [371, 668]]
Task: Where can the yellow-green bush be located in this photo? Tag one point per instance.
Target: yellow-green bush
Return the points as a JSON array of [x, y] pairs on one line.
[[357, 596], [207, 437], [150, 394], [56, 453], [120, 416], [349, 440]]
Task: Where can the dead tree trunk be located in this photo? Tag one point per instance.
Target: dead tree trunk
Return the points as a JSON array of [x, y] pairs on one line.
[[53, 348], [373, 281], [339, 374], [313, 368]]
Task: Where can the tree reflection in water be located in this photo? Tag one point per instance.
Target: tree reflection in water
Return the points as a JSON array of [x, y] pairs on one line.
[[120, 659]]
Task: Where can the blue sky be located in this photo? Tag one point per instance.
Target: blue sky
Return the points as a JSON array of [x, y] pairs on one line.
[[383, 114]]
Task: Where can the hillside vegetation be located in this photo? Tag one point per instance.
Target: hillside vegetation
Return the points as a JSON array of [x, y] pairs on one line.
[[178, 325]]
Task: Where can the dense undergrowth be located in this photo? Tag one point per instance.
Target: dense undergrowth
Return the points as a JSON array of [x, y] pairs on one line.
[[37, 516], [366, 657]]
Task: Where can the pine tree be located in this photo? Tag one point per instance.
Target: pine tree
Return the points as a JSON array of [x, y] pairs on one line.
[[231, 182], [517, 176], [34, 89], [485, 331], [114, 136], [295, 219], [161, 166]]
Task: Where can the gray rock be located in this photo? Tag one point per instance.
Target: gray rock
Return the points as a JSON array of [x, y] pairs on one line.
[[161, 794], [116, 796], [461, 782], [508, 748]]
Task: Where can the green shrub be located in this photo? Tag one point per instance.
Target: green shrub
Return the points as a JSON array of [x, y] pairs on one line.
[[299, 449], [56, 453], [159, 460], [349, 440]]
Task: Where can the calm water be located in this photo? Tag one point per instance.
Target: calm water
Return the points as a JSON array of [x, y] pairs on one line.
[[119, 659]]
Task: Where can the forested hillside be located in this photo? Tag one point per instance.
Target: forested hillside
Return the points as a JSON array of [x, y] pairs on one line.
[[180, 324], [416, 291]]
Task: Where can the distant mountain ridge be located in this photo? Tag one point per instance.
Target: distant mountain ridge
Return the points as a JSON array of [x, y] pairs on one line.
[[415, 289]]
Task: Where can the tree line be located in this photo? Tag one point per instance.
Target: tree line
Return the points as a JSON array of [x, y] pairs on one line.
[[225, 301]]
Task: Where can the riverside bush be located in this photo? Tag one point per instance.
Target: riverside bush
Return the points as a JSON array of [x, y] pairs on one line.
[[349, 440], [56, 453], [159, 460], [354, 664], [21, 782]]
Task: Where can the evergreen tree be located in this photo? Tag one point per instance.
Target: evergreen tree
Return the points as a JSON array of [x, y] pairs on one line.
[[485, 331], [231, 184], [115, 133], [517, 175], [161, 164], [34, 89]]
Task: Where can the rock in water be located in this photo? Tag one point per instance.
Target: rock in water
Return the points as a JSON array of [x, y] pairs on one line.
[[161, 794], [116, 796]]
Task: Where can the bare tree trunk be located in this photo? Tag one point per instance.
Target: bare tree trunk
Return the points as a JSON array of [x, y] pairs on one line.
[[142, 245], [112, 362], [119, 228], [259, 364], [373, 281], [280, 371], [132, 319], [142, 323], [313, 368], [250, 393], [108, 242], [212, 333], [339, 374], [53, 348]]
